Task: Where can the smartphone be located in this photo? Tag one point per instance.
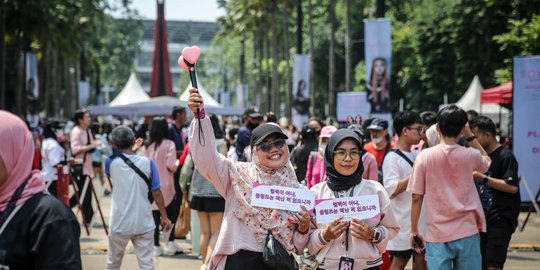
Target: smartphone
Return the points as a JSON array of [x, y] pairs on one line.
[[418, 241]]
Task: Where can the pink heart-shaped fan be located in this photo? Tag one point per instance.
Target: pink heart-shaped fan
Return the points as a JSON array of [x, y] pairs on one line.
[[182, 64], [191, 54]]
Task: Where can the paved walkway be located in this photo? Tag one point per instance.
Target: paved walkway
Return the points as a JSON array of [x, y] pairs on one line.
[[524, 253]]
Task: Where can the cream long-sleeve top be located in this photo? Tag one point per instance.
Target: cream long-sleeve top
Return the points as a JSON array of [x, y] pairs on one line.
[[234, 234], [365, 253]]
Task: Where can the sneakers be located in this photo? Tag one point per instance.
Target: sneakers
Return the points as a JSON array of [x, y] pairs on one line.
[[204, 267], [173, 248], [158, 251]]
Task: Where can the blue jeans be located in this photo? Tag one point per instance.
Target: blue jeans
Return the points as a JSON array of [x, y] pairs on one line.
[[461, 254]]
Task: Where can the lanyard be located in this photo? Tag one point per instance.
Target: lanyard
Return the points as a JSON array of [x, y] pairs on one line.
[[336, 194]]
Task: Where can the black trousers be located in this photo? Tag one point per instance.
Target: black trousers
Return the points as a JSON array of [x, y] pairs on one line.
[[173, 209], [88, 211]]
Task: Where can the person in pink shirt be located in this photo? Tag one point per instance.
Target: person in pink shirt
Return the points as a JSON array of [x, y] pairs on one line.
[[245, 227], [82, 146], [442, 175], [163, 152], [316, 172]]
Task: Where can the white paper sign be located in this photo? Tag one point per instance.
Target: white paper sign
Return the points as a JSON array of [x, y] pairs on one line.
[[284, 198], [359, 207]]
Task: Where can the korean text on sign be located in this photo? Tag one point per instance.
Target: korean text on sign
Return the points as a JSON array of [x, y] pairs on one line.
[[360, 207], [284, 198]]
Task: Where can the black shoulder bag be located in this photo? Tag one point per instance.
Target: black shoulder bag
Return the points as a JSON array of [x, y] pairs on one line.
[[141, 174], [275, 256]]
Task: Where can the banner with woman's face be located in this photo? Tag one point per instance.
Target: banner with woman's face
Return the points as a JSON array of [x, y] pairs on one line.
[[378, 55], [301, 94]]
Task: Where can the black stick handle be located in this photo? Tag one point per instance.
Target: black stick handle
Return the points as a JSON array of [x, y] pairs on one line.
[[193, 77]]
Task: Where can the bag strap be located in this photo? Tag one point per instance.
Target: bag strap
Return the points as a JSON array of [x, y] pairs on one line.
[[137, 170], [11, 208], [322, 253], [397, 151]]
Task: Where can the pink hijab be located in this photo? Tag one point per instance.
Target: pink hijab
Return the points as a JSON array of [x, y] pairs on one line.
[[17, 151]]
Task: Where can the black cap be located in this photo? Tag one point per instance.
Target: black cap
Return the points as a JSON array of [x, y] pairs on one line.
[[262, 131], [358, 129], [253, 112], [378, 124]]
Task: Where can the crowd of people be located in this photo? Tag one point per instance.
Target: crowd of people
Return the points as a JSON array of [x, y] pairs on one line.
[[447, 189]]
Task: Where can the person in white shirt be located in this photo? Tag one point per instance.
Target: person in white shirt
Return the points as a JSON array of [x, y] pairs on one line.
[[131, 213], [397, 167], [52, 154]]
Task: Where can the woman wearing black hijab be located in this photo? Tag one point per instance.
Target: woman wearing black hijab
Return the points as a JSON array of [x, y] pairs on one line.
[[358, 242]]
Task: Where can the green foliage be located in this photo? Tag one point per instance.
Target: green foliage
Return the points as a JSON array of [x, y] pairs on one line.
[[438, 46], [523, 38]]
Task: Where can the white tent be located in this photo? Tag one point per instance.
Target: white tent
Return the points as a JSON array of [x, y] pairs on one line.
[[131, 93], [471, 101], [208, 99]]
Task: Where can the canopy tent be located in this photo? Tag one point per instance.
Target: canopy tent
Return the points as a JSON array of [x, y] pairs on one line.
[[162, 105], [471, 101], [131, 93], [501, 94], [208, 99]]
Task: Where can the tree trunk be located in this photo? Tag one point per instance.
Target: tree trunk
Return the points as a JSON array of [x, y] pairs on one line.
[[288, 93], [379, 13], [267, 78], [274, 96], [332, 60], [242, 67], [348, 54], [299, 21], [256, 69], [312, 60]]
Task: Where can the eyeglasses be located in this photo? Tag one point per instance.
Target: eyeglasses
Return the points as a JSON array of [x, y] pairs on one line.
[[420, 130], [341, 155], [267, 146]]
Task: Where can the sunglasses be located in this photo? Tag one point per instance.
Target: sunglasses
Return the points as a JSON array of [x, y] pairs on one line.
[[267, 146]]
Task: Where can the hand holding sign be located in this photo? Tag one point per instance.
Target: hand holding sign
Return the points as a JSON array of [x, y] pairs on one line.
[[335, 229], [361, 230]]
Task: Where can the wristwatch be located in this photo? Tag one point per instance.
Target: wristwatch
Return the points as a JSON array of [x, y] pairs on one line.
[[471, 138], [485, 179], [376, 235]]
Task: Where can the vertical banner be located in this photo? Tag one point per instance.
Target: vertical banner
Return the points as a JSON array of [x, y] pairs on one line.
[[32, 89], [84, 93], [526, 131], [300, 94], [378, 55], [241, 94]]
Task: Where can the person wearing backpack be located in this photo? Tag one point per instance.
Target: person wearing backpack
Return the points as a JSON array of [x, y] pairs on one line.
[[397, 167], [134, 177]]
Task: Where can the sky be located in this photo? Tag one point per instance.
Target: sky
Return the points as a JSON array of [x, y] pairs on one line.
[[193, 10]]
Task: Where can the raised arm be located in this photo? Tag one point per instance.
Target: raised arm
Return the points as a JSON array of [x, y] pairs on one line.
[[210, 164]]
